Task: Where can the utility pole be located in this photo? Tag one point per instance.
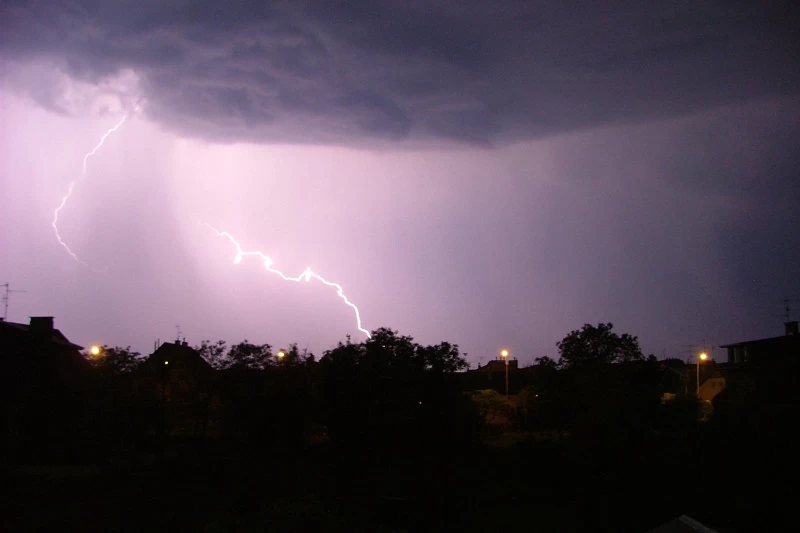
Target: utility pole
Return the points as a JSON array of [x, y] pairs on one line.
[[506, 379], [6, 295], [690, 350], [504, 355]]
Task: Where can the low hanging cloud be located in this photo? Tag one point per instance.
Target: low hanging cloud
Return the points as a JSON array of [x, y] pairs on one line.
[[337, 72]]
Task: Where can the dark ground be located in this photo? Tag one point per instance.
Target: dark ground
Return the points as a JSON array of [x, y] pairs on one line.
[[526, 487]]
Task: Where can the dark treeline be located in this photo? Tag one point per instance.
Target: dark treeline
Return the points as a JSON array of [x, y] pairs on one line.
[[388, 434], [388, 393]]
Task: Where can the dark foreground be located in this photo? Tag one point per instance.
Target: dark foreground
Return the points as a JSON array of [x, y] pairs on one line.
[[526, 487]]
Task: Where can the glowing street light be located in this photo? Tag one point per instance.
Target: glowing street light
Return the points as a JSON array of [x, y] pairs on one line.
[[504, 354], [94, 351], [281, 354], [702, 357]]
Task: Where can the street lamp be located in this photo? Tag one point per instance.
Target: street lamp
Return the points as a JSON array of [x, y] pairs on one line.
[[504, 355], [702, 357], [281, 354], [94, 351]]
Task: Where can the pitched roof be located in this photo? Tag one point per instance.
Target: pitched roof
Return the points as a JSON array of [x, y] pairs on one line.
[[178, 352], [56, 337]]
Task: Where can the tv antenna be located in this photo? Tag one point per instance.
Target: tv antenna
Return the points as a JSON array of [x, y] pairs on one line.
[[6, 296], [180, 334], [693, 350]]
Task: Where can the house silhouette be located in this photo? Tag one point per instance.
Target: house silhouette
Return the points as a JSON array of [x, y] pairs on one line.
[[182, 388], [42, 387]]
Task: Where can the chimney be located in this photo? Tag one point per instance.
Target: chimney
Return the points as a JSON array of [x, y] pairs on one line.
[[42, 325], [792, 327]]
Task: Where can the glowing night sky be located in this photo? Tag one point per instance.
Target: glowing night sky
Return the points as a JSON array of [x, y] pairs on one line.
[[493, 174]]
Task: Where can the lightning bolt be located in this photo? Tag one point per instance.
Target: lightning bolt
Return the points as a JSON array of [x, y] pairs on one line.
[[72, 187], [307, 275]]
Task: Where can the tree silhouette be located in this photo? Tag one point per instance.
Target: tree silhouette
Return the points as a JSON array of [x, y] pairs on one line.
[[246, 355], [116, 359], [491, 404], [442, 358], [292, 356], [213, 352], [390, 389], [593, 345]]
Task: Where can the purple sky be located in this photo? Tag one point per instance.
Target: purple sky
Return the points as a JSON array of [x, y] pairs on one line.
[[493, 175]]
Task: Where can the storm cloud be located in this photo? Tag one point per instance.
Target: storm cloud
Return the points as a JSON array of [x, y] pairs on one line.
[[377, 72]]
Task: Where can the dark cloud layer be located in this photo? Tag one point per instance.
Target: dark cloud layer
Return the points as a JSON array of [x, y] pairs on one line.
[[476, 72]]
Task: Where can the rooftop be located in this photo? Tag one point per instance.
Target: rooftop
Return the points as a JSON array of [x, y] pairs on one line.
[[42, 327]]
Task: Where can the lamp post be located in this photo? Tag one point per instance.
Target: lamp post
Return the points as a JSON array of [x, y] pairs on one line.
[[504, 355], [702, 357]]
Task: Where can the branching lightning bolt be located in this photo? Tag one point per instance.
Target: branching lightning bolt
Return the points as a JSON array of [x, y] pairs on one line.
[[72, 187], [306, 275]]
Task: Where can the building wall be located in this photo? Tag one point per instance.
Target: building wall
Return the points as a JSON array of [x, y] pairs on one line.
[[711, 387]]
